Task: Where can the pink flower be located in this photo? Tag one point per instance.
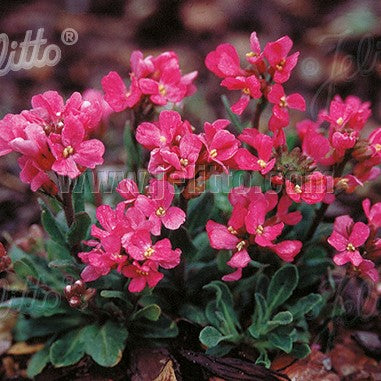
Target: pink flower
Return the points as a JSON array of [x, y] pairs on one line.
[[373, 213], [141, 248], [142, 275], [283, 215], [282, 103], [263, 144], [221, 237], [313, 190], [235, 275], [178, 162], [224, 61], [72, 152], [276, 54], [350, 113], [157, 207], [128, 189], [227, 238], [12, 126], [255, 57], [374, 140], [317, 146], [250, 87], [116, 93], [367, 269], [264, 234], [113, 222], [98, 264], [31, 173], [162, 133], [50, 111], [166, 83], [346, 238], [101, 110], [220, 144], [287, 250]]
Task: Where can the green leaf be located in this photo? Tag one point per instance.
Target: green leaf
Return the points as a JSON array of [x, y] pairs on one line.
[[132, 148], [151, 312], [263, 359], [300, 350], [117, 295], [61, 264], [282, 285], [38, 361], [203, 250], [260, 318], [193, 313], [35, 307], [199, 211], [281, 342], [56, 251], [26, 329], [281, 318], [161, 329], [234, 119], [79, 194], [51, 225], [79, 229], [210, 336], [37, 267], [219, 350], [24, 268], [224, 303], [105, 344], [305, 305], [67, 350]]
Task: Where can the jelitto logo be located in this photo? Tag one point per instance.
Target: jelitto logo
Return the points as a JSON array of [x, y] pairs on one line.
[[31, 53]]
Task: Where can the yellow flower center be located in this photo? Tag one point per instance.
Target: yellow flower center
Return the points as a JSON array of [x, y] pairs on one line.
[[350, 247], [141, 272], [340, 121], [298, 189], [116, 256], [246, 91], [213, 153], [162, 90], [259, 230], [149, 252], [342, 184], [184, 162], [160, 211], [232, 230], [163, 139], [240, 245], [251, 54], [261, 163], [283, 102], [69, 150], [377, 147], [280, 65]]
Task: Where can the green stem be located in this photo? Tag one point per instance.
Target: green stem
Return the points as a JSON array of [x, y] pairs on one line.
[[320, 213], [261, 105], [67, 201]]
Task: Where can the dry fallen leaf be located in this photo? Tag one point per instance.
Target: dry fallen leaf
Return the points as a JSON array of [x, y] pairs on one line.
[[167, 374], [348, 359], [316, 366], [7, 322], [23, 348]]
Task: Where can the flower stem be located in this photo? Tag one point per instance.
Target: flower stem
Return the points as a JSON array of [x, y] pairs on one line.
[[320, 213], [67, 201], [261, 105]]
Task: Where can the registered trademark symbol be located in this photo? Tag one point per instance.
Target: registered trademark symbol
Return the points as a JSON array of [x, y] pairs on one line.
[[69, 36]]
